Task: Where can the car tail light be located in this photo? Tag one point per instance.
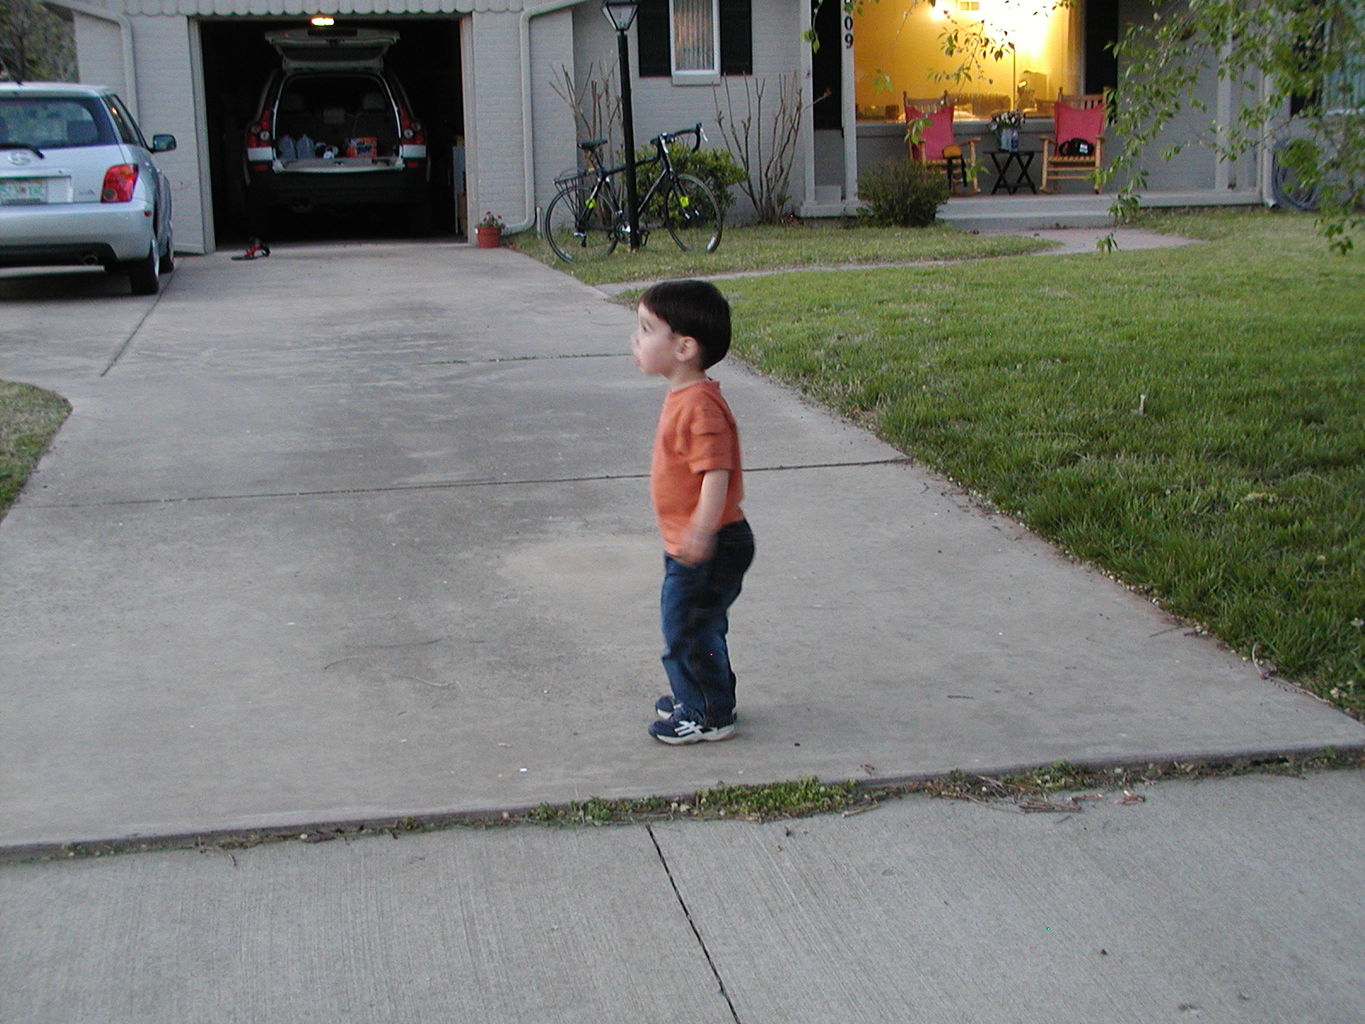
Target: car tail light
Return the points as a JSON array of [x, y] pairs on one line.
[[412, 130], [119, 182], [260, 133]]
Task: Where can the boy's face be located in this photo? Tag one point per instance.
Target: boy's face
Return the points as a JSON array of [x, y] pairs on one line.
[[654, 346]]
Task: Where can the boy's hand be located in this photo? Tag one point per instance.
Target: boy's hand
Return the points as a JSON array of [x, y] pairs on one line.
[[700, 543], [697, 547]]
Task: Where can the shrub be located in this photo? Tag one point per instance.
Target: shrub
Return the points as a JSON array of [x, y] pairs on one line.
[[902, 193], [715, 167]]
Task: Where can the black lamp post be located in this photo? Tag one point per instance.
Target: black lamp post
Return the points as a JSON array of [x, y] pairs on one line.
[[621, 13]]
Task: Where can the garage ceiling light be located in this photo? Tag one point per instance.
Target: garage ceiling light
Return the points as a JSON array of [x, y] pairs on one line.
[[322, 21]]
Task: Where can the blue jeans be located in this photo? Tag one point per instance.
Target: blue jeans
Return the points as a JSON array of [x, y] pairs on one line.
[[695, 602]]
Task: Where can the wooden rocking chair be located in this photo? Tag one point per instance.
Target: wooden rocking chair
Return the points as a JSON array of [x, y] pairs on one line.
[[933, 144], [1074, 117]]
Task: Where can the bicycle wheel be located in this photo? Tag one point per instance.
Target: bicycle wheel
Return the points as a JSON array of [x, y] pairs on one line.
[[691, 215], [579, 226]]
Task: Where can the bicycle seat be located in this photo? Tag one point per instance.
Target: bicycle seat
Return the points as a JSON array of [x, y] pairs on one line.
[[588, 147]]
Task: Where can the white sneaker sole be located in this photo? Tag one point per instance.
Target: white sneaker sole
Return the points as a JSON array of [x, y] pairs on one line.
[[724, 732]]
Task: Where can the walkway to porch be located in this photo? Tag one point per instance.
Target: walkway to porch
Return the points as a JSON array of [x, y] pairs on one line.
[[1033, 212]]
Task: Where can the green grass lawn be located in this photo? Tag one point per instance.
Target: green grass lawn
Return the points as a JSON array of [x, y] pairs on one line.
[[796, 245], [29, 417], [1190, 419]]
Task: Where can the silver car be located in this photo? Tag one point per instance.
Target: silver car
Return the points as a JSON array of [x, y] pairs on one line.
[[78, 185]]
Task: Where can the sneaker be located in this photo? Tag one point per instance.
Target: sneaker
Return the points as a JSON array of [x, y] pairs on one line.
[[677, 731], [666, 707]]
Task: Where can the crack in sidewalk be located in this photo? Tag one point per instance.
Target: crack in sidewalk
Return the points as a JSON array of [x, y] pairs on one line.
[[710, 962], [128, 341], [440, 485]]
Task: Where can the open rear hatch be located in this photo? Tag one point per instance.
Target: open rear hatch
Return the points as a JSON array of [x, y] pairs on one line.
[[322, 49]]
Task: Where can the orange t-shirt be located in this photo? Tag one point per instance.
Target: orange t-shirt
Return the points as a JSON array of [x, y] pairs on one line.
[[697, 433]]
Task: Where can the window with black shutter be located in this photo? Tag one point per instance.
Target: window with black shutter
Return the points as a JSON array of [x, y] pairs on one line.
[[654, 26]]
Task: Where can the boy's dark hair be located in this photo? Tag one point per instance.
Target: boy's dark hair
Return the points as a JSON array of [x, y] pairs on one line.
[[695, 309]]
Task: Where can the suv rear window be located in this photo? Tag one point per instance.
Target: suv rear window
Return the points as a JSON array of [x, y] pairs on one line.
[[332, 109], [54, 122]]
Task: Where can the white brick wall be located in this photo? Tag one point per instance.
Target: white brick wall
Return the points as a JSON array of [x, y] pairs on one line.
[[99, 44], [493, 124], [165, 98], [552, 47], [662, 106]]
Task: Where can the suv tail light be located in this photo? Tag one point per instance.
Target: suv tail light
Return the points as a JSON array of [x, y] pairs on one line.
[[260, 141], [262, 132], [413, 132], [119, 182]]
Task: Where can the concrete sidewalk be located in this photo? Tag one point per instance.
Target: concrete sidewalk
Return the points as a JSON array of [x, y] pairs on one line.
[[361, 532], [1235, 900]]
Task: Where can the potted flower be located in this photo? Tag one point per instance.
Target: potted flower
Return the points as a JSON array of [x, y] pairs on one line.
[[1006, 125], [488, 232]]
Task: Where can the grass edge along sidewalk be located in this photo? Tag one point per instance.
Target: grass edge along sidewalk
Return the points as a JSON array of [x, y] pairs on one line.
[[787, 247], [1191, 420], [29, 418], [1062, 786]]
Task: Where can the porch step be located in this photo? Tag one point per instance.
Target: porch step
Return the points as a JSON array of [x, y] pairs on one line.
[[1026, 213]]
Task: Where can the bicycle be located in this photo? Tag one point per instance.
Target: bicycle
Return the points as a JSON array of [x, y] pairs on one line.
[[586, 220]]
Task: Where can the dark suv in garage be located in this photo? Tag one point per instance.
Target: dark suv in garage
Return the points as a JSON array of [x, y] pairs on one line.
[[334, 128]]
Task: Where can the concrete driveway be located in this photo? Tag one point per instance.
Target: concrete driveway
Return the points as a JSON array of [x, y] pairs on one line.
[[360, 532]]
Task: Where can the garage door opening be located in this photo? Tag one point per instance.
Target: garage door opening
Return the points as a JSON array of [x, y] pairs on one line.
[[238, 61]]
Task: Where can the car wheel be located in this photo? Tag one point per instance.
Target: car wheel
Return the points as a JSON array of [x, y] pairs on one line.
[[145, 274]]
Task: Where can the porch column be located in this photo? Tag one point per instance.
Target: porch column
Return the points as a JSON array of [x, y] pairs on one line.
[[850, 112], [806, 144]]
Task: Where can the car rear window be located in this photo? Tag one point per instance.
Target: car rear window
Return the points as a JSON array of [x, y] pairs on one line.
[[54, 122]]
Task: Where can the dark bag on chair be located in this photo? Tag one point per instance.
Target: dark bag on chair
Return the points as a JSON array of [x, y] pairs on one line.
[[1076, 147]]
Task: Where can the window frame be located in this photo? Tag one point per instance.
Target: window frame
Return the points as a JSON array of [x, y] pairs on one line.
[[654, 39], [700, 76]]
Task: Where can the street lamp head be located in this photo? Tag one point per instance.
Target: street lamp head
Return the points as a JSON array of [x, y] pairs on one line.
[[621, 13]]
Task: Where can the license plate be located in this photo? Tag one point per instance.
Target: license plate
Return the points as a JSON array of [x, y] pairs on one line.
[[23, 190]]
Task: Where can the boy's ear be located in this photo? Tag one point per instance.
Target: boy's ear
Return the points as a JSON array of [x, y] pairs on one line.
[[689, 348]]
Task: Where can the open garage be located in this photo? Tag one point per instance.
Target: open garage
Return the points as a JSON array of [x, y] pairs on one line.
[[238, 61]]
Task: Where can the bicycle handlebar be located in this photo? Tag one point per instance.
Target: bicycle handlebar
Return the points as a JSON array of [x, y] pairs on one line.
[[664, 138]]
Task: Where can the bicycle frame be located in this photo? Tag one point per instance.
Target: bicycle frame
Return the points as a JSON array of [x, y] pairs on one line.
[[589, 219], [667, 173]]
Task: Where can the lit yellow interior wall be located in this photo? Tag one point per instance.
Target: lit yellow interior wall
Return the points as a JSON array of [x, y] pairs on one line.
[[901, 42]]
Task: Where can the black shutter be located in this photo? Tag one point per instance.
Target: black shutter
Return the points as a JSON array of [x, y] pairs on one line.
[[652, 39], [736, 37]]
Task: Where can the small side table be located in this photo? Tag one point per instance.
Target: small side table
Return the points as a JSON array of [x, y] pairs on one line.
[[1020, 161]]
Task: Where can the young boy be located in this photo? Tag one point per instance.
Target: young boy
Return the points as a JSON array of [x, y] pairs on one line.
[[696, 481]]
